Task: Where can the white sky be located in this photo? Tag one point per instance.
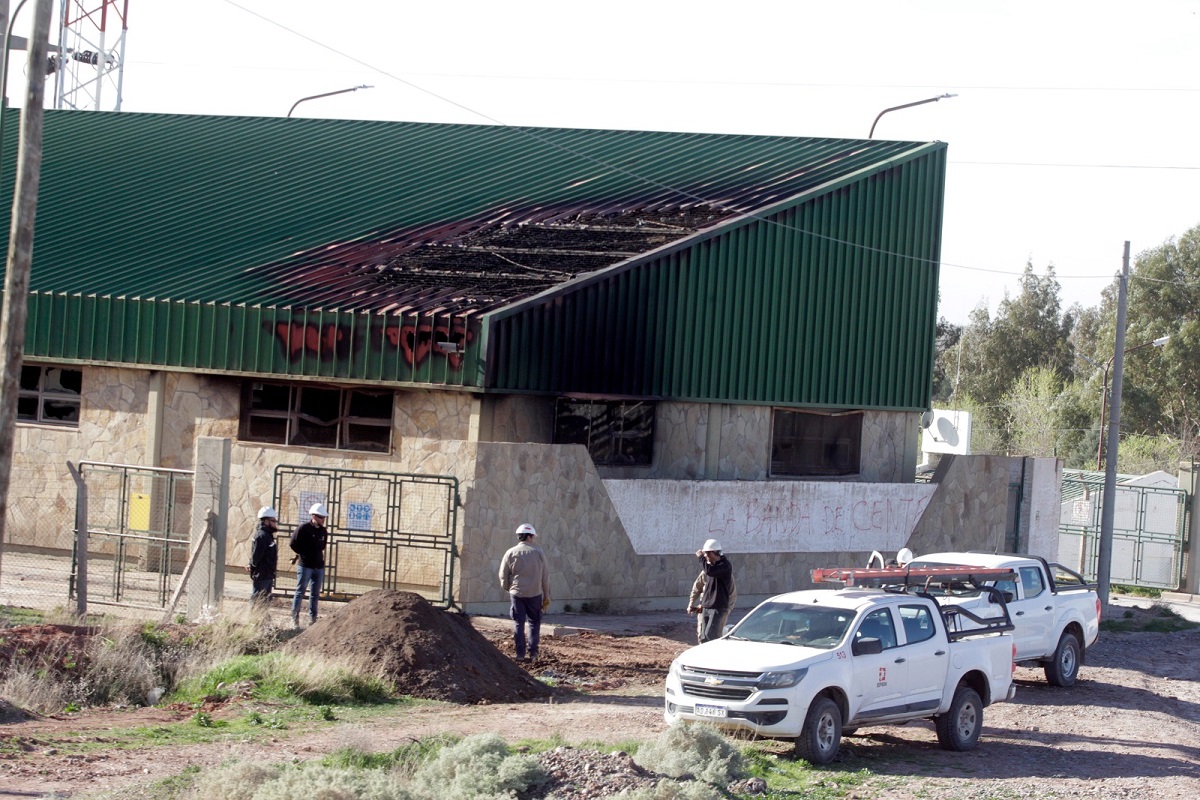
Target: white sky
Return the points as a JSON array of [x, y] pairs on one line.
[[1076, 125]]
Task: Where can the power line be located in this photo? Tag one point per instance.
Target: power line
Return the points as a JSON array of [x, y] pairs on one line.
[[690, 195]]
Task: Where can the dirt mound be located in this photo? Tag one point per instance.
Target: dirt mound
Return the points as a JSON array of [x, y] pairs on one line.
[[424, 651], [53, 648]]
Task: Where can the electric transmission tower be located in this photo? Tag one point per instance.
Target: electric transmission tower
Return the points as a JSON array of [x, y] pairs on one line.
[[88, 68]]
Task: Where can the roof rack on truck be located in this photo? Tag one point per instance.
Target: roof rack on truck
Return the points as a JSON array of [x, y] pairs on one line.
[[960, 622], [911, 576]]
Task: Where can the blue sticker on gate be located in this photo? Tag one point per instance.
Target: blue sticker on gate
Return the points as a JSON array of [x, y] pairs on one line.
[[358, 516]]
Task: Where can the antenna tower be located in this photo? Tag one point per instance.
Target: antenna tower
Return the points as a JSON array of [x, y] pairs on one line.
[[89, 68]]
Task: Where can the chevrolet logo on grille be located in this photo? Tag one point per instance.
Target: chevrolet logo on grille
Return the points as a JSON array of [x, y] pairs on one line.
[[713, 681]]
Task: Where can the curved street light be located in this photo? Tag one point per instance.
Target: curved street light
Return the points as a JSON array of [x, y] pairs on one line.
[[326, 94], [871, 135]]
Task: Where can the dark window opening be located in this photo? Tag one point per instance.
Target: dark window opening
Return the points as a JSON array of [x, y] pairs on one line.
[[313, 416], [50, 395], [815, 445], [616, 433]]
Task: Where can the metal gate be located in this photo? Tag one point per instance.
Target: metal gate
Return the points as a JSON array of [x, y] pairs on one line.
[[137, 521], [386, 529], [1149, 531]]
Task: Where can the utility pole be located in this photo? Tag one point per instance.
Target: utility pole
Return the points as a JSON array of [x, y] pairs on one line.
[[20, 241], [1104, 564]]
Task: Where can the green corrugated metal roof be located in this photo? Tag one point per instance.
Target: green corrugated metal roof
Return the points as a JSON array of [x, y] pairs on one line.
[[368, 251], [828, 300], [197, 208]]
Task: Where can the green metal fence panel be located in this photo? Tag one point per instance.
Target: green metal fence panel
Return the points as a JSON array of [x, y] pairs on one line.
[[137, 534], [387, 530], [1150, 527]]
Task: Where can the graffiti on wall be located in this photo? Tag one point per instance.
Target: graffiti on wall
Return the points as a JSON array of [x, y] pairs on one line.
[[417, 343], [672, 517]]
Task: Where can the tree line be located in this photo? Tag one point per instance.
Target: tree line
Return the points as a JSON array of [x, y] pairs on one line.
[[1033, 375]]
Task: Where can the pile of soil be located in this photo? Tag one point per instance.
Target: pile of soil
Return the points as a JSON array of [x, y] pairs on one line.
[[54, 648], [424, 651]]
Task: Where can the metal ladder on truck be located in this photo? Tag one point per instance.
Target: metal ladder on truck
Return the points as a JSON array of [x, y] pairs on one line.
[[919, 581]]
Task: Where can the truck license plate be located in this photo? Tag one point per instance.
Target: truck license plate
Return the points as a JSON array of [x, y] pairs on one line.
[[711, 711]]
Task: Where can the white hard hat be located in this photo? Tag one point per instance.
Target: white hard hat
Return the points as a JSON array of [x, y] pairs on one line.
[[266, 512], [526, 528], [318, 509], [712, 545]]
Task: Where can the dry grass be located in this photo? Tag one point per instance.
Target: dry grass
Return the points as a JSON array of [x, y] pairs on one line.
[[120, 661]]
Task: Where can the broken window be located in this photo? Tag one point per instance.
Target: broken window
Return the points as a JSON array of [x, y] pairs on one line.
[[615, 432], [811, 444], [317, 416], [49, 395]]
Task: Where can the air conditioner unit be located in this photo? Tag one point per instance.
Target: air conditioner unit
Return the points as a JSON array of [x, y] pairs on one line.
[[946, 431]]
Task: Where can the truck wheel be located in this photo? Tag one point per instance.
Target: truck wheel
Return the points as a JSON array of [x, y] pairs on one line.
[[959, 728], [821, 736], [1063, 668]]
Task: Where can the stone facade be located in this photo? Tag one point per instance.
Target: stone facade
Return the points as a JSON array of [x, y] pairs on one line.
[[969, 510], [157, 418]]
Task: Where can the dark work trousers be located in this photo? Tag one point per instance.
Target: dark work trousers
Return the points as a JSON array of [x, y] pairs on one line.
[[523, 608], [712, 623], [262, 590]]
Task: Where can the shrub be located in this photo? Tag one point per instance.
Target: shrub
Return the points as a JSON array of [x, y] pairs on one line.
[[697, 751], [236, 781], [672, 790], [477, 768], [318, 782]]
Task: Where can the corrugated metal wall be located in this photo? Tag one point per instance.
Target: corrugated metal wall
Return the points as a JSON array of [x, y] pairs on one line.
[[357, 347], [831, 302]]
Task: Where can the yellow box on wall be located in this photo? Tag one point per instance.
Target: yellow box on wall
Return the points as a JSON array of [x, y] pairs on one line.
[[139, 512]]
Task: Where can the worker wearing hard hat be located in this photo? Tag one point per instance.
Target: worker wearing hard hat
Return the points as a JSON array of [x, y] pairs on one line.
[[264, 557], [525, 575], [716, 599], [308, 543]]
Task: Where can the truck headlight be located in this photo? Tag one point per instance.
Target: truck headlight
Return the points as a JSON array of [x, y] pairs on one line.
[[781, 680]]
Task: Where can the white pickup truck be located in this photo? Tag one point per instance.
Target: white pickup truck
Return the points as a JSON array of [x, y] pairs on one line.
[[1056, 613], [813, 664]]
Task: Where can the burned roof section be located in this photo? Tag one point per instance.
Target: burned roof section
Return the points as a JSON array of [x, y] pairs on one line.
[[473, 266]]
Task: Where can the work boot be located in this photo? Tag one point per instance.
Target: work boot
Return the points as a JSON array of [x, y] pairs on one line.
[[295, 620]]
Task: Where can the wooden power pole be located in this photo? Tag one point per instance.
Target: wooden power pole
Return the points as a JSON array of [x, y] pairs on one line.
[[20, 238]]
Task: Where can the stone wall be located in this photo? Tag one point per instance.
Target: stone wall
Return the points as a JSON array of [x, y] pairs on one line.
[[889, 446], [969, 509], [593, 549], [41, 495]]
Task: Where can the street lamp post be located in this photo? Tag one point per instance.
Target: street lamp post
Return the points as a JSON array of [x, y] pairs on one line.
[[871, 135], [1159, 342], [326, 94]]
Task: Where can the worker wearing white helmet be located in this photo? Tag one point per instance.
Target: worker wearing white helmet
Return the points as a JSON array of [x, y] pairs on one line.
[[264, 557], [308, 543], [525, 575], [717, 598]]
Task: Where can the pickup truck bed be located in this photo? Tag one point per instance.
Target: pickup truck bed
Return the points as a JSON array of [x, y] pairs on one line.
[[1056, 613]]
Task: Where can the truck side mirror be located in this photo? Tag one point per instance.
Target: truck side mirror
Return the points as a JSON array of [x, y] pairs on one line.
[[867, 646]]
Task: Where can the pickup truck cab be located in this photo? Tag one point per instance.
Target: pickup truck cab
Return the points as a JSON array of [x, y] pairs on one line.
[[809, 665], [1056, 613]]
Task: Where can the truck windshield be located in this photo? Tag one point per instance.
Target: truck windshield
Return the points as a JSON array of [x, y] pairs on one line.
[[791, 623]]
